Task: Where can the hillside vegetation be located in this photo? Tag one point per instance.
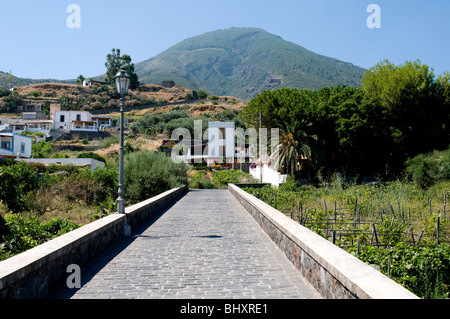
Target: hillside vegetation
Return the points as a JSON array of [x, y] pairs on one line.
[[243, 62], [7, 80], [104, 98]]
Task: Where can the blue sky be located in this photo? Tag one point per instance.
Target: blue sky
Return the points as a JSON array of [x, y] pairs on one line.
[[37, 43]]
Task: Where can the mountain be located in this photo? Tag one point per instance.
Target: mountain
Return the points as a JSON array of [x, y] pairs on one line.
[[243, 62], [6, 80]]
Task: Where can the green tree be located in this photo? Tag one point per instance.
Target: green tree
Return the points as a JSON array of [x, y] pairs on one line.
[[295, 145], [352, 131], [114, 62], [414, 104], [278, 105], [11, 102], [80, 79]]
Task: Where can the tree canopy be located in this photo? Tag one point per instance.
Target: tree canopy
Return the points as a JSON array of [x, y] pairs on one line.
[[114, 62], [400, 112]]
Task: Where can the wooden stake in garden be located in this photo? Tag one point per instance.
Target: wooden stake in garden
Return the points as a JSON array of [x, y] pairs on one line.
[[335, 212], [445, 204], [437, 230], [375, 233], [412, 235], [420, 236]]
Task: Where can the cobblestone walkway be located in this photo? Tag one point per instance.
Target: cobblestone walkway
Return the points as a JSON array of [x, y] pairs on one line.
[[204, 246]]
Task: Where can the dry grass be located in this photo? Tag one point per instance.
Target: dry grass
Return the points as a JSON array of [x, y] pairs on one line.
[[78, 213]]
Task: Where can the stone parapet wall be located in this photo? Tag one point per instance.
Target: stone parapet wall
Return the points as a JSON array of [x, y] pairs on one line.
[[34, 273], [335, 273]]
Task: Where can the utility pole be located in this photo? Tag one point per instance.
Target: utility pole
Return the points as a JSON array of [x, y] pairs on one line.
[[260, 149]]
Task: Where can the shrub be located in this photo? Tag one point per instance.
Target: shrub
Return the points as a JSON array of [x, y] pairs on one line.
[[107, 142], [222, 178], [92, 155], [201, 183], [152, 124], [187, 123], [202, 94], [426, 170], [23, 234], [4, 92], [41, 149], [91, 187], [213, 98], [35, 93], [148, 174], [16, 182], [423, 270]]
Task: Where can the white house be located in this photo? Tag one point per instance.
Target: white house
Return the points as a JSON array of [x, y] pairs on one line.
[[74, 121], [221, 142], [220, 147], [20, 125], [87, 82], [14, 145], [103, 120]]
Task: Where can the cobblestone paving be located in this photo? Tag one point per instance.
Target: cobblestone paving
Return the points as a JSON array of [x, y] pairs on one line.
[[204, 246]]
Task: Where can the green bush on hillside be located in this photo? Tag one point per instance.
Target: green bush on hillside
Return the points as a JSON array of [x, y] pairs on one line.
[[148, 174], [152, 124], [93, 156], [20, 234], [222, 178], [426, 170], [16, 181], [41, 149]]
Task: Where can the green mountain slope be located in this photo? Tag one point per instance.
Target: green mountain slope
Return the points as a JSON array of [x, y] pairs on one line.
[[15, 81], [243, 62]]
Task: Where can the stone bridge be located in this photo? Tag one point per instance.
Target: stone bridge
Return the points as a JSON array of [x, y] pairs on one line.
[[194, 244]]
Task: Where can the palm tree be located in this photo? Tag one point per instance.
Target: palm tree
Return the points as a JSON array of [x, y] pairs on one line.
[[295, 145]]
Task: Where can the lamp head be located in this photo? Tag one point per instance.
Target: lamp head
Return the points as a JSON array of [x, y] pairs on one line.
[[122, 80]]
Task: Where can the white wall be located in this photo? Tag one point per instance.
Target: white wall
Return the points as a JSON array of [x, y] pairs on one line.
[[16, 143], [88, 162], [216, 140], [69, 117], [268, 175], [26, 141]]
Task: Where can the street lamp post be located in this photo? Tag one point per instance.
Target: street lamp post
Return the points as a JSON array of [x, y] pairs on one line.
[[122, 80]]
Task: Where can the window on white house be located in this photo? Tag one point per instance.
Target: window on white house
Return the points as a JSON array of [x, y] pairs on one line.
[[6, 145]]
